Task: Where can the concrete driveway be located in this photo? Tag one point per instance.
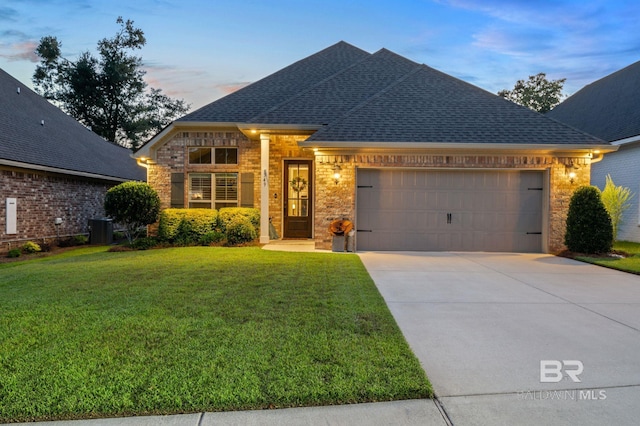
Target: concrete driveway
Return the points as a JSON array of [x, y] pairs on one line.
[[482, 323]]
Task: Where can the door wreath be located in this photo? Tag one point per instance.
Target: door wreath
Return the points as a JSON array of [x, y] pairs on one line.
[[298, 184]]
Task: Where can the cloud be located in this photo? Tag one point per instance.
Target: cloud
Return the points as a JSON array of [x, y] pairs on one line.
[[22, 51], [8, 14]]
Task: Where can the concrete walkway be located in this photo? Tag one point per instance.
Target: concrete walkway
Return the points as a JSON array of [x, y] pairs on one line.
[[481, 323]]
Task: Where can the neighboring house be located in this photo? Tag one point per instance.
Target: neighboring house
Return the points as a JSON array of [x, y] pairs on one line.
[[610, 109], [419, 160], [54, 171]]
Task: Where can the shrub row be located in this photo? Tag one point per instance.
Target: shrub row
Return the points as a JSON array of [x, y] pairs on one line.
[[204, 226]]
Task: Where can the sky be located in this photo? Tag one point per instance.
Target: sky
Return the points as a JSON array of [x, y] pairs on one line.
[[201, 50]]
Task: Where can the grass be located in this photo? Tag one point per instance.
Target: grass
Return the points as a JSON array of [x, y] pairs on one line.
[[95, 334], [627, 264]]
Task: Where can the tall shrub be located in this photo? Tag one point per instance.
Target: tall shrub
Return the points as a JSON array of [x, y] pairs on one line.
[[132, 204], [589, 228], [616, 200]]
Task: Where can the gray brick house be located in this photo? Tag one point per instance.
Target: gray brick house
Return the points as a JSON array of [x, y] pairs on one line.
[[419, 160], [51, 167], [610, 109]]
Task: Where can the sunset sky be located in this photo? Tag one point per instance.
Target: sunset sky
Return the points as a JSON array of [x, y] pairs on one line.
[[200, 50]]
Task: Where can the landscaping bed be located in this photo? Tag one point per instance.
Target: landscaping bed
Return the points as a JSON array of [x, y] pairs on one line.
[[96, 334]]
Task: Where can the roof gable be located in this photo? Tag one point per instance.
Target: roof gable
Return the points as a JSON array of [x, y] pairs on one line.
[[608, 108], [35, 132]]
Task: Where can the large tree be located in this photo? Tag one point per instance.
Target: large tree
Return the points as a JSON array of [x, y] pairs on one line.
[[107, 93], [537, 93]]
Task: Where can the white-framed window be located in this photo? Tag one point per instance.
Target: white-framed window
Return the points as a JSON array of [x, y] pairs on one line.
[[208, 155], [213, 190]]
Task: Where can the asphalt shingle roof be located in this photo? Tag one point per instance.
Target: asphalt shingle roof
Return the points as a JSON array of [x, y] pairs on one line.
[[430, 106], [608, 108], [383, 97], [61, 142], [264, 94]]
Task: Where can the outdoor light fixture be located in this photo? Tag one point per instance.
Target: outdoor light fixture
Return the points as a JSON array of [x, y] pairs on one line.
[[569, 171], [336, 173]]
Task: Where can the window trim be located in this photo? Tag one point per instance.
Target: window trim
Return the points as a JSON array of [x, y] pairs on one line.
[[213, 190]]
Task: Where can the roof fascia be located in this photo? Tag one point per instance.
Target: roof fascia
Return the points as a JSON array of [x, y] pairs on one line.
[[40, 168], [253, 130], [625, 141], [364, 147]]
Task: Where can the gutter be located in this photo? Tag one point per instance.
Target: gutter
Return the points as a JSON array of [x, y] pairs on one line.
[[364, 147], [28, 166]]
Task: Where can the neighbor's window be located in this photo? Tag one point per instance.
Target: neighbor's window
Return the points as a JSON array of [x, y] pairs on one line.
[[202, 193], [220, 155]]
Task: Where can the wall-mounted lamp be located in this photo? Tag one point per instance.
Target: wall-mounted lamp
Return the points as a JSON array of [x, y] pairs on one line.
[[336, 173], [570, 171]]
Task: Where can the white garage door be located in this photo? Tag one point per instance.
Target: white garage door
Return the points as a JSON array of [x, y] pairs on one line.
[[474, 210]]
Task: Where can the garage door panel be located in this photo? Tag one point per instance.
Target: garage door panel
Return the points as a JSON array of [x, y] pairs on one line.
[[449, 210]]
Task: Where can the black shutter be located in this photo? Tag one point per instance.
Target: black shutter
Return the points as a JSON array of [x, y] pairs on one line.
[[177, 190], [246, 190]]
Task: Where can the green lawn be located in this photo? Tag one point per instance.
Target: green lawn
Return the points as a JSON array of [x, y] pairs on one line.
[[627, 264], [91, 334]]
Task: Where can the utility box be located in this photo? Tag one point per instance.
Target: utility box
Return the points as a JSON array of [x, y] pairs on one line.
[[100, 231], [12, 216]]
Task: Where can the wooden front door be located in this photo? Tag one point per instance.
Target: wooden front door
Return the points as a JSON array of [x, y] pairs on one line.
[[298, 203]]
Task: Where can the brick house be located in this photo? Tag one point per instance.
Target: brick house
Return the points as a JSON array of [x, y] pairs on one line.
[[419, 160], [52, 169], [610, 109]]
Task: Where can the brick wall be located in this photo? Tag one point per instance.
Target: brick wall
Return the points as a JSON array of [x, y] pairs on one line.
[[43, 197], [172, 158], [337, 200]]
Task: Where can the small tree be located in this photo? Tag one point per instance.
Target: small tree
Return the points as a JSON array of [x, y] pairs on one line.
[[589, 227], [537, 93], [616, 200], [132, 204]]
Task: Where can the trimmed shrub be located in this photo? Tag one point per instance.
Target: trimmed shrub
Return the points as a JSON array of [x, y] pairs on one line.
[[13, 253], [589, 228], [210, 238], [144, 243], [30, 247], [239, 230], [227, 214], [186, 226], [169, 222], [132, 204]]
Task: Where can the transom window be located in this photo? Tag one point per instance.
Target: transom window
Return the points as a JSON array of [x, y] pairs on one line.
[[205, 155], [213, 190]]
